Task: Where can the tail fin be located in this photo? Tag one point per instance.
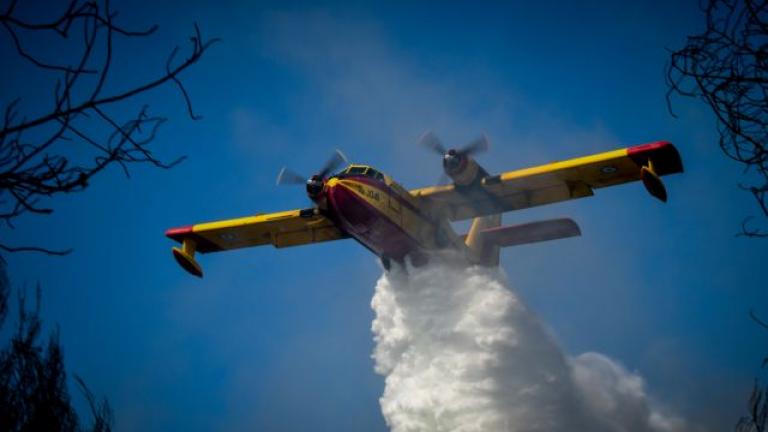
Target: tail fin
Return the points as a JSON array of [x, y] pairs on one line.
[[482, 250], [486, 236]]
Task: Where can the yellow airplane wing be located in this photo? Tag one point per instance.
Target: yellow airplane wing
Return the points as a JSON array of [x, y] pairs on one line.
[[556, 181], [282, 229]]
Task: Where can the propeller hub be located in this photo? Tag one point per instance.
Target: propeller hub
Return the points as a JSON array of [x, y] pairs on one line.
[[315, 186], [452, 161]]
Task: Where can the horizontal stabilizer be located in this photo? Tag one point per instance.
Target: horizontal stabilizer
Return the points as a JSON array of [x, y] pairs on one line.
[[532, 232]]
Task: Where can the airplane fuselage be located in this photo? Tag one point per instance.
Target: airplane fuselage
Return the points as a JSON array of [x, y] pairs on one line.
[[380, 215]]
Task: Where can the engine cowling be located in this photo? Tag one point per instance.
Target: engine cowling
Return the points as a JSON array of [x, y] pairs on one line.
[[461, 168]]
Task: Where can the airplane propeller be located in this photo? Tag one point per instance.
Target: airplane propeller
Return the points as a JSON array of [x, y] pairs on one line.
[[452, 158], [432, 142], [333, 163], [315, 183], [290, 177]]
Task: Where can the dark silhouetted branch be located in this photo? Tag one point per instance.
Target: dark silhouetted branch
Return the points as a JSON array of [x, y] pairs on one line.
[[33, 388], [757, 405], [37, 160], [726, 66]]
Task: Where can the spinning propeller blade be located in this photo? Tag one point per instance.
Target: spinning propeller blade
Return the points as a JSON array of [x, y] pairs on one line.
[[478, 145], [452, 157], [336, 159], [431, 141], [289, 177]]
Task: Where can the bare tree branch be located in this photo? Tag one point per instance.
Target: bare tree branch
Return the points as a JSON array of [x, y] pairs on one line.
[[33, 388], [757, 405], [756, 319], [726, 66], [35, 249], [41, 156]]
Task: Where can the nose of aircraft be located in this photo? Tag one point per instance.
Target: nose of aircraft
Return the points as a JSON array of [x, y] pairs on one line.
[[331, 183]]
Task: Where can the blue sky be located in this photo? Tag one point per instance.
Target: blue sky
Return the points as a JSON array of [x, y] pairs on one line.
[[280, 339]]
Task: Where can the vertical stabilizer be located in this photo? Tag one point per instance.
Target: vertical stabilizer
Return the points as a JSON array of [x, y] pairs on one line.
[[481, 249]]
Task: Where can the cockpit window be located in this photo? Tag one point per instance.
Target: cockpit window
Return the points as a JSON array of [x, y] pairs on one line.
[[355, 170], [360, 170], [375, 174]]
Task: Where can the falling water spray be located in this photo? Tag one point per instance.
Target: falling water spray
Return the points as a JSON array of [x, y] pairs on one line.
[[460, 352]]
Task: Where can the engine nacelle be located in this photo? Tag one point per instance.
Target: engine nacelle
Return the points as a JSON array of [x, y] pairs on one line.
[[461, 168]]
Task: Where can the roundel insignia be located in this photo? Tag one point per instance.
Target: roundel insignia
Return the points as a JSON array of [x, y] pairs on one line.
[[608, 169]]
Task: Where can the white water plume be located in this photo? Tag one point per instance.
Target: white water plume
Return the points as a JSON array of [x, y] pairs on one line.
[[460, 352]]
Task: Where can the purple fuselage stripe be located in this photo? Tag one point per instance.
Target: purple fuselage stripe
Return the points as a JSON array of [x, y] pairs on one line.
[[367, 224]]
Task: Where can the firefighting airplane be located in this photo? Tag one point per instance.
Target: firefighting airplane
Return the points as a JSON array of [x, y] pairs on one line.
[[367, 205]]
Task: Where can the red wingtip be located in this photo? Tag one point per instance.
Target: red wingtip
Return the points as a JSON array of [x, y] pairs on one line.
[[663, 154], [177, 233], [642, 148]]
